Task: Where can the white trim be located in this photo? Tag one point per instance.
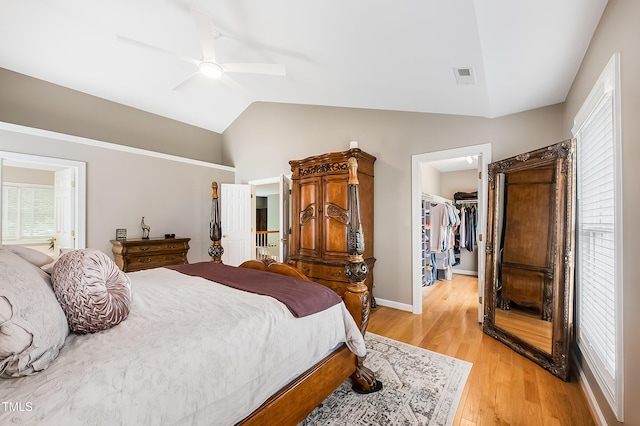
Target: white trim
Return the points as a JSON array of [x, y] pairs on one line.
[[608, 81], [265, 181], [108, 145], [394, 305], [465, 272], [269, 181], [416, 196], [26, 185], [591, 398]]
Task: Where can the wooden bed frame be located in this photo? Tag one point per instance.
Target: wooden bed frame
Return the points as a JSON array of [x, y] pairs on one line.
[[294, 402]]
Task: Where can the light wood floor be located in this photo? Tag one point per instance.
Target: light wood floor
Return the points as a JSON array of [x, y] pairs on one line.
[[503, 388]]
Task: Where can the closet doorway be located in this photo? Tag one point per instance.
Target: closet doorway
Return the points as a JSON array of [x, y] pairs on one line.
[[452, 160]]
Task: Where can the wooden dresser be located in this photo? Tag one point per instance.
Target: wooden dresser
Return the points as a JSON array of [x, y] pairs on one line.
[[319, 206], [134, 255]]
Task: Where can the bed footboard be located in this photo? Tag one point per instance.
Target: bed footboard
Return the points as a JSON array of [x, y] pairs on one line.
[[358, 302]]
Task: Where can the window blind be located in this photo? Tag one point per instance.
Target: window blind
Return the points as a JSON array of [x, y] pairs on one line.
[[27, 213], [596, 240]]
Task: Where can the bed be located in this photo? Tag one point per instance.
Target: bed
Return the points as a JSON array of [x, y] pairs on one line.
[[188, 350]]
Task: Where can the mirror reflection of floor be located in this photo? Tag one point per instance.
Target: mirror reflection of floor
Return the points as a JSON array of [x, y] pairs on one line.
[[529, 327]]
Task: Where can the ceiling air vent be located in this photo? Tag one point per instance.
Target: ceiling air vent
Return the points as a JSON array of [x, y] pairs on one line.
[[464, 75]]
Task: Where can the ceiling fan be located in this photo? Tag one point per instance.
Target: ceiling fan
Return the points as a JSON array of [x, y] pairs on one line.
[[209, 66]]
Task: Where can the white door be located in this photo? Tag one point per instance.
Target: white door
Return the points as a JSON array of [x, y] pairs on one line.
[[64, 209], [285, 213], [237, 205]]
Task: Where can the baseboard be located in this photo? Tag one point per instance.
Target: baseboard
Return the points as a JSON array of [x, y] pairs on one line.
[[591, 399], [395, 305], [465, 272]]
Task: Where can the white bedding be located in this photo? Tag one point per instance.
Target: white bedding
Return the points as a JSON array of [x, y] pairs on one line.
[[176, 361]]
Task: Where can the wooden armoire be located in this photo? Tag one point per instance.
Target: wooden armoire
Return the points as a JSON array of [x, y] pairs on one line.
[[319, 216]]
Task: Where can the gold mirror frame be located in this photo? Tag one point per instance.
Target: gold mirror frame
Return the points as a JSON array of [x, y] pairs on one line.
[[556, 277]]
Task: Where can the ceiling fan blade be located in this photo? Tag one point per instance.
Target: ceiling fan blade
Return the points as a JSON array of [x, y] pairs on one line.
[[156, 49], [182, 85], [204, 25], [269, 69], [244, 93]]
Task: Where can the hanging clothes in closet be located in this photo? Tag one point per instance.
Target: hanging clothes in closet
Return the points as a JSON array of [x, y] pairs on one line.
[[440, 219], [444, 221], [468, 226]]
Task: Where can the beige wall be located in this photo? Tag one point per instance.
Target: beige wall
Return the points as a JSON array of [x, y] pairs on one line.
[[619, 31], [459, 181], [430, 179], [264, 138], [122, 187], [25, 175], [34, 103], [174, 196]]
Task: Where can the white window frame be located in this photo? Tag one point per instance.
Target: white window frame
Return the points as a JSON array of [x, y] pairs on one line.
[[612, 385], [46, 163]]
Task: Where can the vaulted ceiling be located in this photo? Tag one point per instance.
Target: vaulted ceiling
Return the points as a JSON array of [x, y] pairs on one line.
[[391, 55]]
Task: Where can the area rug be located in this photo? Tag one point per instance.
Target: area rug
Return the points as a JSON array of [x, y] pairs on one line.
[[420, 387]]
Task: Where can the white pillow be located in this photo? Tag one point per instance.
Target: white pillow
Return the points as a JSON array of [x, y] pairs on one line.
[[33, 327], [32, 256], [48, 268]]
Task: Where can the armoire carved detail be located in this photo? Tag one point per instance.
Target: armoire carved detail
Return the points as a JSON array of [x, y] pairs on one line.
[[319, 231]]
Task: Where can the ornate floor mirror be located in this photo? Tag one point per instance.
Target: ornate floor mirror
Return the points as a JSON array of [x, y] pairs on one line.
[[530, 255]]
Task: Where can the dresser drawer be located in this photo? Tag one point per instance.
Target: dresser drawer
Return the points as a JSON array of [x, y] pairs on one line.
[[146, 262], [323, 272], [155, 248], [332, 275], [338, 286]]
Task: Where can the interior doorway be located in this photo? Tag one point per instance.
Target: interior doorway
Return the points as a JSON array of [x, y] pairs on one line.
[[272, 224], [480, 156], [66, 180]]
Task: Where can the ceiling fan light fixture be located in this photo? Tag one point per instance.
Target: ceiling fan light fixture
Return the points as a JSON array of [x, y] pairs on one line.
[[210, 69]]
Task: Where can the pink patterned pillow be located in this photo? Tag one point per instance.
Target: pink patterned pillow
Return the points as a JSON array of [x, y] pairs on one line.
[[94, 294]]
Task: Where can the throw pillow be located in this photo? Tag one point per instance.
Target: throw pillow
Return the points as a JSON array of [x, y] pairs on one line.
[[32, 256], [94, 294], [33, 327]]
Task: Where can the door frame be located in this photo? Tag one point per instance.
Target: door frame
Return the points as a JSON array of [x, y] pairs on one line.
[[484, 158], [50, 163], [284, 233]]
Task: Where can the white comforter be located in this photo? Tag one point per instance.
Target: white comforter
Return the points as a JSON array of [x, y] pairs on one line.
[[190, 352]]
